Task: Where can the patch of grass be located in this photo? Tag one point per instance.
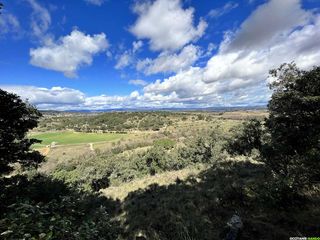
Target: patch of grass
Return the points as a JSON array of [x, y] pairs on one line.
[[162, 179], [65, 138]]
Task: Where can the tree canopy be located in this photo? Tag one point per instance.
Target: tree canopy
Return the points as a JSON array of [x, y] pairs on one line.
[[16, 119], [289, 140], [293, 149]]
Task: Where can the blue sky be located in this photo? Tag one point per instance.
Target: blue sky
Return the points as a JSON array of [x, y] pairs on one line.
[[100, 54]]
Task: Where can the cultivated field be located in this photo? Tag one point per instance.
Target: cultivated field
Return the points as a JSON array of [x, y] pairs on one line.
[[73, 138]]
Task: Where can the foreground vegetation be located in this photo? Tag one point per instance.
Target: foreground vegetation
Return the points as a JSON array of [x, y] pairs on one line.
[[183, 179]]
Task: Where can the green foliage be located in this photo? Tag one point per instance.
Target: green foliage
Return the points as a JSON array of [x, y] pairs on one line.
[[206, 148], [293, 149], [165, 143], [109, 122], [119, 168], [289, 143], [16, 119], [246, 138], [40, 208]]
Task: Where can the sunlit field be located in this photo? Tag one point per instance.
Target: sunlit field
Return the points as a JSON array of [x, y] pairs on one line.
[[68, 138]]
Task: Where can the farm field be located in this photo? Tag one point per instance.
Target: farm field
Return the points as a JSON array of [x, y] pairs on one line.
[[71, 138]]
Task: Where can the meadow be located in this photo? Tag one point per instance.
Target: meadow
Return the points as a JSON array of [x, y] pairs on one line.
[[73, 138]]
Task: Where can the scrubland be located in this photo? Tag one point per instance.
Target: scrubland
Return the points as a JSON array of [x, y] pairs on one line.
[[173, 179]]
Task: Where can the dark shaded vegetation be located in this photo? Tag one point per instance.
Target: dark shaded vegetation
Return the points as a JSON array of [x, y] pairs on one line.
[[246, 138], [292, 150], [42, 208], [39, 207], [16, 119], [199, 208], [289, 139]]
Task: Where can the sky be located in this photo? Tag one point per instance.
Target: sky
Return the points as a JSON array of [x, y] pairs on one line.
[[109, 54]]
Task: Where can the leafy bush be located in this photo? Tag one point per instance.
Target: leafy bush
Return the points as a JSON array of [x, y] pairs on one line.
[[246, 138], [31, 211], [206, 148]]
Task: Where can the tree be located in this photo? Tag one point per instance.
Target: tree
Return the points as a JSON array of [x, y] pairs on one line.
[[16, 119], [246, 138], [289, 140], [293, 149]]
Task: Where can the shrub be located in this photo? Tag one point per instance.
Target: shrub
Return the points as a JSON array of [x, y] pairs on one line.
[[246, 138]]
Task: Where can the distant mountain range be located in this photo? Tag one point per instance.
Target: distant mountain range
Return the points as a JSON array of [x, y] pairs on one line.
[[209, 109]]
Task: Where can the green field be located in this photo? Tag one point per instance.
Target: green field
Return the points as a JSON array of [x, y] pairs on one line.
[[65, 138]]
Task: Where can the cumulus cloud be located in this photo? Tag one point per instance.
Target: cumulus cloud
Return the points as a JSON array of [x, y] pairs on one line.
[[235, 75], [40, 19], [166, 24], [235, 70], [218, 12], [168, 63], [9, 24], [138, 82], [295, 43], [69, 53], [269, 22]]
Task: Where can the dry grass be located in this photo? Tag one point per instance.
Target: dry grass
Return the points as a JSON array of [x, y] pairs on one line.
[[163, 179]]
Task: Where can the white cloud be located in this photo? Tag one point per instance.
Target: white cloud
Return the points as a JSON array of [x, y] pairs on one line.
[[166, 24], [69, 53], [95, 2], [209, 51], [233, 72], [235, 75], [185, 84], [271, 20], [168, 63], [60, 98], [138, 82], [9, 24], [54, 95], [128, 57], [124, 60], [218, 12], [40, 20], [136, 45], [295, 43]]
